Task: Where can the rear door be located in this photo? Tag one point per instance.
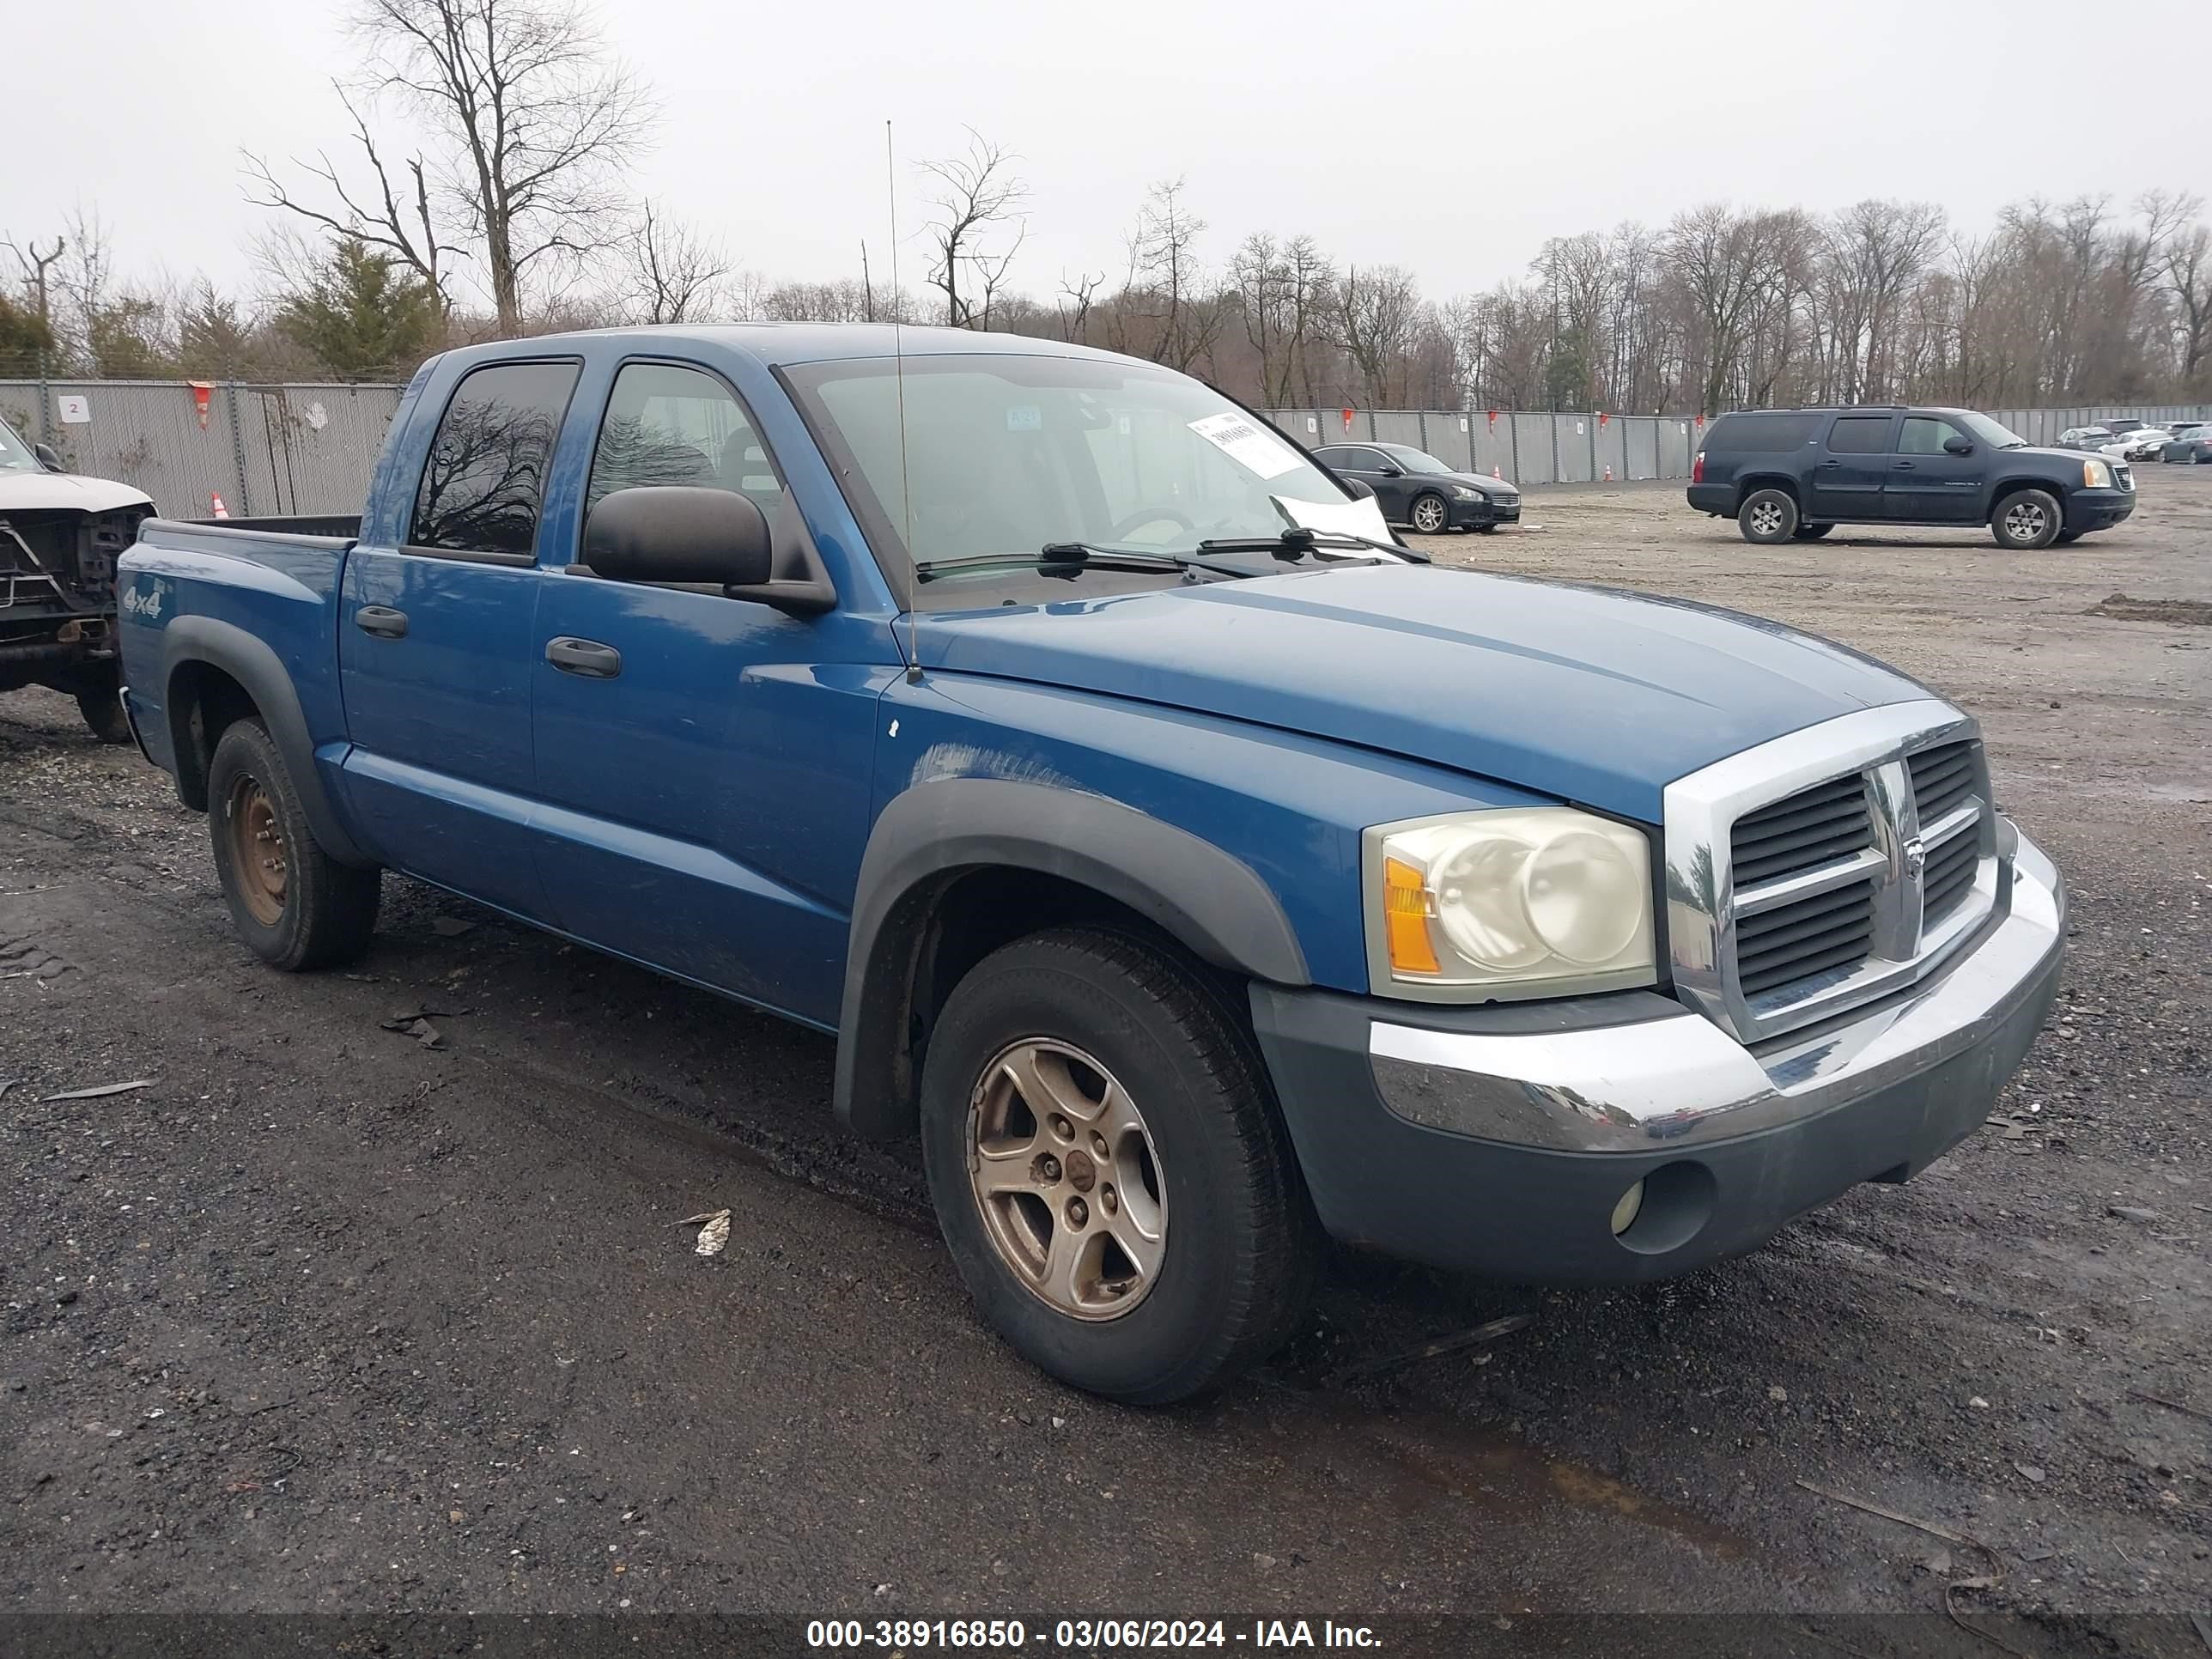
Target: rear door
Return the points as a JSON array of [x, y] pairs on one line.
[[1929, 484], [436, 643], [1849, 469]]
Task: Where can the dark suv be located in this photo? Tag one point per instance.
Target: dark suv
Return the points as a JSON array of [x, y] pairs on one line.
[[1799, 472]]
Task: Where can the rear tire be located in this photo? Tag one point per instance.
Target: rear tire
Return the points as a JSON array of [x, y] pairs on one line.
[[2027, 520], [1110, 1035], [1767, 516], [1812, 533], [295, 906], [101, 706], [1430, 515]]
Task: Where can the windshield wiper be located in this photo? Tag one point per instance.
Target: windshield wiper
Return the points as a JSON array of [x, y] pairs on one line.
[[1295, 542], [1068, 558]]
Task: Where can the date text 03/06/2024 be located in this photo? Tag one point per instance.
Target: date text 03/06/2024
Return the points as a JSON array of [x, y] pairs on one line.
[[1085, 1634]]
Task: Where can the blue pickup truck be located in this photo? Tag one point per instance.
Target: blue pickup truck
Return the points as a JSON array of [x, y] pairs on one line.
[[1188, 869]]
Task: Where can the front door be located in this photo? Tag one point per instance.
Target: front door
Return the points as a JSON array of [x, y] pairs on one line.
[[705, 764], [1928, 483], [1393, 490], [1849, 469], [435, 641]]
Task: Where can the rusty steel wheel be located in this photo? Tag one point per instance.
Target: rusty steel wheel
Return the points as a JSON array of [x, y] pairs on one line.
[[257, 839], [1066, 1176]]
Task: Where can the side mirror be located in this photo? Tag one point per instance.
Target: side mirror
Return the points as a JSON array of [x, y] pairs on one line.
[[49, 458], [1359, 489], [678, 533], [1957, 445], [1390, 472]]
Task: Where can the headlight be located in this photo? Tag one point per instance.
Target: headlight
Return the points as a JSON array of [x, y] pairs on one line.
[[1540, 901], [1461, 492], [2096, 475]]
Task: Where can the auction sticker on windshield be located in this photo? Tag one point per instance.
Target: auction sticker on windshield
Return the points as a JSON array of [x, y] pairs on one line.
[[1246, 445]]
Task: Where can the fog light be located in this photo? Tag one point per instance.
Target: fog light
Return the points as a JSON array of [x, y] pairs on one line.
[[1625, 1212]]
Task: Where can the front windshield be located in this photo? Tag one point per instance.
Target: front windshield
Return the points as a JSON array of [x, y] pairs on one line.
[[1009, 454], [1992, 433], [1415, 460], [15, 457]]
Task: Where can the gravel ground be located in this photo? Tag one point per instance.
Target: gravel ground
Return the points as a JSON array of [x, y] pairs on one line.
[[324, 1318]]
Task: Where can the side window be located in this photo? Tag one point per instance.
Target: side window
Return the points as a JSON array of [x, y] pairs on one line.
[[1923, 434], [485, 478], [1333, 458], [669, 425], [1859, 434]]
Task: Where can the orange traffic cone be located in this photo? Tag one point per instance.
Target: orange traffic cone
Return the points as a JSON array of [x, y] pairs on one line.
[[1496, 474], [1608, 474]]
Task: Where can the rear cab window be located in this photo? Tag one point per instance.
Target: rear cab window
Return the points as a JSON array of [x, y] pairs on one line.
[[483, 482]]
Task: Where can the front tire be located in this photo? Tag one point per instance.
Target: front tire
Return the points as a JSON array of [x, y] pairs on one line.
[[1109, 1171], [1430, 515], [2027, 520], [1767, 516], [295, 906]]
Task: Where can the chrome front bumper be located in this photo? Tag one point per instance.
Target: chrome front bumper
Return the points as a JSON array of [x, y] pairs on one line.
[[1681, 1081], [1500, 1139]]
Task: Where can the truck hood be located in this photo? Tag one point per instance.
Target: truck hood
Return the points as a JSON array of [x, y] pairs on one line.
[[46, 492], [1586, 693]]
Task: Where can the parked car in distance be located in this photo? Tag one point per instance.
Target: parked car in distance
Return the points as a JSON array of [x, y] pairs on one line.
[[2086, 437], [2122, 427], [60, 535], [2139, 445], [1189, 872], [1799, 472], [1418, 490], [2192, 442]]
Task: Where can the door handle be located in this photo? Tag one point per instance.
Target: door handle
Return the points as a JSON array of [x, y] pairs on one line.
[[589, 658], [1904, 466], [382, 620], [1826, 465]]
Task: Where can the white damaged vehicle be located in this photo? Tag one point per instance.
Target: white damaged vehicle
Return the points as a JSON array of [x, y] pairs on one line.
[[60, 535]]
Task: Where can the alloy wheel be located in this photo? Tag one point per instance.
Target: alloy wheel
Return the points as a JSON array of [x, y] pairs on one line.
[[1067, 1180]]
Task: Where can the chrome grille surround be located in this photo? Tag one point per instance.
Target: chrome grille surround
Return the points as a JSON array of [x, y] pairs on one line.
[[1905, 945]]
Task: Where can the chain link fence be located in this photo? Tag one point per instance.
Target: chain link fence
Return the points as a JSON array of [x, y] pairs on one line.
[[305, 449], [266, 450]]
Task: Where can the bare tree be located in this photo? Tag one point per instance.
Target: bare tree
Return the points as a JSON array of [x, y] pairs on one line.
[[1077, 296], [672, 273], [978, 196], [398, 221], [2188, 277], [534, 117], [1378, 315], [1166, 283], [36, 282]]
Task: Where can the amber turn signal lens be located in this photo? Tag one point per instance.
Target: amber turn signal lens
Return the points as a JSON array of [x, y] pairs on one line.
[[1406, 919]]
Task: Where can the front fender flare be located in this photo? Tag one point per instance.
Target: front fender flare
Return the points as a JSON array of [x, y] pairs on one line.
[[1208, 900], [256, 667]]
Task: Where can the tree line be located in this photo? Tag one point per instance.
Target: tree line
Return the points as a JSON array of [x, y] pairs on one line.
[[476, 191]]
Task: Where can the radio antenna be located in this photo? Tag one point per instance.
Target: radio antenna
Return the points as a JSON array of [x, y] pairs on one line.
[[898, 349]]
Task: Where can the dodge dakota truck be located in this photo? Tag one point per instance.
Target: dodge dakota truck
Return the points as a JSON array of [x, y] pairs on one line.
[[60, 536], [1185, 870]]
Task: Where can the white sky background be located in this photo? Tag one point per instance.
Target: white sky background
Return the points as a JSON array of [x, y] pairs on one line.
[[1451, 139]]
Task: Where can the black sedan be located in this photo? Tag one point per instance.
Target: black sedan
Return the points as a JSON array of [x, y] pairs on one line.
[[1416, 488], [2191, 441]]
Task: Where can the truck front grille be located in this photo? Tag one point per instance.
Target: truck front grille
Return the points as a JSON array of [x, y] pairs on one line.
[[1801, 940], [1833, 891]]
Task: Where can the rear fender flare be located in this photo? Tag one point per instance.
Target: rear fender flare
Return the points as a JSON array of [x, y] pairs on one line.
[[1209, 901], [256, 666]]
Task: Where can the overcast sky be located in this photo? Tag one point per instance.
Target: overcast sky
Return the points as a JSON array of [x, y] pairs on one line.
[[1451, 139]]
